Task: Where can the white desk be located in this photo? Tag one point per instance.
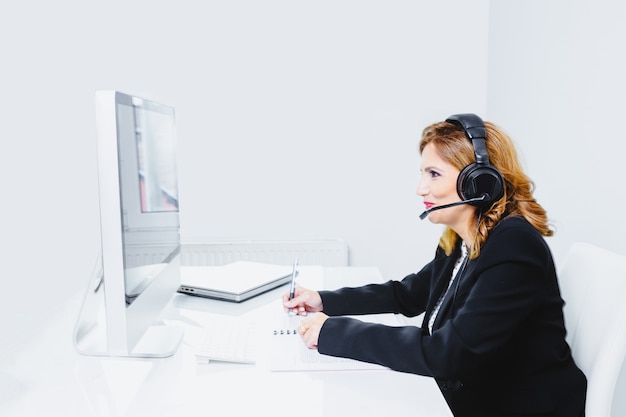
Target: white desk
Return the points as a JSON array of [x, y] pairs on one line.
[[47, 377]]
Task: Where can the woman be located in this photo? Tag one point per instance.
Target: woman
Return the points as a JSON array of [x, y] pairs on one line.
[[493, 334]]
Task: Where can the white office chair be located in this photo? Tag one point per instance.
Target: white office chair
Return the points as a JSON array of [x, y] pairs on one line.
[[593, 285]]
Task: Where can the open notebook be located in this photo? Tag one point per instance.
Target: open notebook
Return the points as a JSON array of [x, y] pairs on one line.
[[289, 353], [237, 281]]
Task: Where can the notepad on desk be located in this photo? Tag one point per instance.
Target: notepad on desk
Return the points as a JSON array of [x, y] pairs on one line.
[[289, 353], [236, 281]]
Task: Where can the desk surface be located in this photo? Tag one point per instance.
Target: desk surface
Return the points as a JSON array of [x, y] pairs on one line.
[[47, 377]]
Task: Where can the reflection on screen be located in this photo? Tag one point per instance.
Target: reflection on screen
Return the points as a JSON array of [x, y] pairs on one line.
[[157, 170], [149, 191]]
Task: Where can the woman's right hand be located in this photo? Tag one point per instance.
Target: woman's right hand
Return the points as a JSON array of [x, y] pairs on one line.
[[303, 302]]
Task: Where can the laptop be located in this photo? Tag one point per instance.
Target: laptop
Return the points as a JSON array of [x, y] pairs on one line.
[[236, 281]]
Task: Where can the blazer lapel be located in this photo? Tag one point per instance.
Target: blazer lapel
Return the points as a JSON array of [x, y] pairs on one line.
[[440, 285], [451, 298]]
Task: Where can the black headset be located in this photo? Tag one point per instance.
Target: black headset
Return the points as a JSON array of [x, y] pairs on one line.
[[479, 181]]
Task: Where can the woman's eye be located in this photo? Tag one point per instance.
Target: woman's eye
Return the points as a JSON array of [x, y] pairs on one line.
[[434, 174]]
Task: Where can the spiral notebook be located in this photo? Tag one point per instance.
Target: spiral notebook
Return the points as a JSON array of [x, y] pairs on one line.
[[289, 353]]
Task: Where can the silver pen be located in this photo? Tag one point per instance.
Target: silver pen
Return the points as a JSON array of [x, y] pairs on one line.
[[292, 288]]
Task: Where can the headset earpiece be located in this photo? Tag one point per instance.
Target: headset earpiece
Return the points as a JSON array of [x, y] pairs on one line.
[[478, 178]]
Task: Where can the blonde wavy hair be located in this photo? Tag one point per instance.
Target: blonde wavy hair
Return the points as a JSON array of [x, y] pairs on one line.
[[455, 148]]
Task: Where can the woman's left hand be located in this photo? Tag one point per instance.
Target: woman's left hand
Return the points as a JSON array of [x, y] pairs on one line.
[[309, 329]]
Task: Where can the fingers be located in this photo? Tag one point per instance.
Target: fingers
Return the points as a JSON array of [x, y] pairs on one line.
[[309, 329], [304, 300], [309, 335], [299, 310], [296, 305], [306, 325], [297, 299]]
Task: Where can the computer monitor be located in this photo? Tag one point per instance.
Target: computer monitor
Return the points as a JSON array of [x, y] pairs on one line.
[[139, 268]]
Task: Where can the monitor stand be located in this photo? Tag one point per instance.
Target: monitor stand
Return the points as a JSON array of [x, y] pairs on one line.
[[90, 334]]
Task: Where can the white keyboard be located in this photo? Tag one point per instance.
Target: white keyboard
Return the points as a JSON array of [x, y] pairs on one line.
[[228, 341]]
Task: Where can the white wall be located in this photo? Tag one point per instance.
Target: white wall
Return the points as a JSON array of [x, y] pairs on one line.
[[295, 120], [557, 83]]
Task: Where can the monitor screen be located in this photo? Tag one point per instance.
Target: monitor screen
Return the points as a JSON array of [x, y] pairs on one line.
[[149, 189], [140, 259]]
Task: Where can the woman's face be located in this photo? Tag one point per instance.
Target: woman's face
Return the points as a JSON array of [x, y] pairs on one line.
[[437, 187]]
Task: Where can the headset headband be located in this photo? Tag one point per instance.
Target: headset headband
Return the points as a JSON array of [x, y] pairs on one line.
[[475, 131]]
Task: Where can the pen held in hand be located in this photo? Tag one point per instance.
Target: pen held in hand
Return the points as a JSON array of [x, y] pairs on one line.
[[292, 289]]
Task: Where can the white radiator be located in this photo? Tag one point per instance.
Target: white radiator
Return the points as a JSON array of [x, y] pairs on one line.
[[309, 252]]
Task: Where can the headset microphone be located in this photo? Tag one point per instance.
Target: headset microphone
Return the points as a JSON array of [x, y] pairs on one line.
[[458, 203]]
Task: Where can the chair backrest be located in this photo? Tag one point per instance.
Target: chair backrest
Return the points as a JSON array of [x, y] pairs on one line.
[[593, 285]]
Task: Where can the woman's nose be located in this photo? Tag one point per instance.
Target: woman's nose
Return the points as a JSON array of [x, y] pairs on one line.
[[421, 189]]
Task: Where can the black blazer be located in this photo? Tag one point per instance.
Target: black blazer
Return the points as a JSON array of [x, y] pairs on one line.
[[498, 343]]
